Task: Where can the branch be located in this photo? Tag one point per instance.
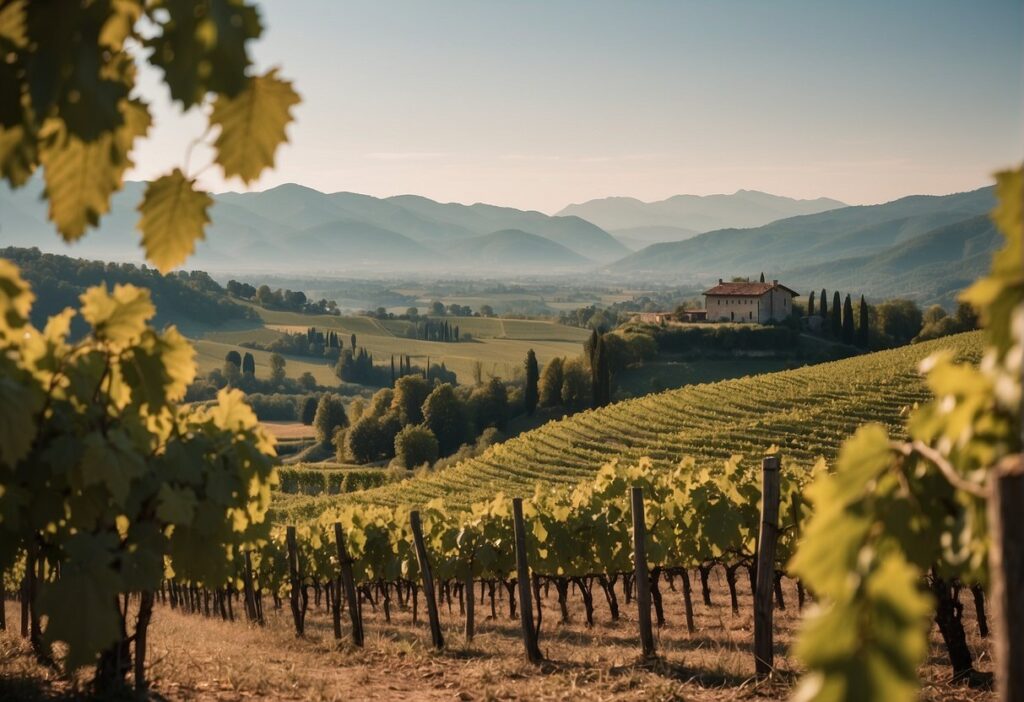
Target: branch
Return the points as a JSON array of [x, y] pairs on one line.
[[944, 466]]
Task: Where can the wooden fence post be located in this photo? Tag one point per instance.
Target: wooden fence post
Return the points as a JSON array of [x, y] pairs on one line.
[[247, 588], [293, 571], [470, 604], [1006, 570], [533, 653], [766, 540], [349, 583], [428, 579], [643, 583]]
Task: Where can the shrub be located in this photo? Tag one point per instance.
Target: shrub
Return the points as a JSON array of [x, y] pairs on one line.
[[415, 445]]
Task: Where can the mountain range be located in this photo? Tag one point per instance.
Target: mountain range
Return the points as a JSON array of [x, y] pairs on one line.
[[637, 223], [292, 227], [922, 246]]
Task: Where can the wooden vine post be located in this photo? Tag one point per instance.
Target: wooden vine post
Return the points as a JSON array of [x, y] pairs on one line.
[[470, 604], [1006, 569], [428, 579], [641, 576], [247, 589], [533, 653], [293, 572], [348, 581], [766, 541]]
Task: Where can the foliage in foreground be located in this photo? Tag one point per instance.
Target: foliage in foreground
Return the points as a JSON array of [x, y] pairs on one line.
[[896, 511], [108, 486]]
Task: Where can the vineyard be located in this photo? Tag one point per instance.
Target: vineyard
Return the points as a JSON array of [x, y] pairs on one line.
[[697, 511], [806, 412]]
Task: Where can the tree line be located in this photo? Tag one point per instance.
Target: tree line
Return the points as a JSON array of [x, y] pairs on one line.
[[281, 299]]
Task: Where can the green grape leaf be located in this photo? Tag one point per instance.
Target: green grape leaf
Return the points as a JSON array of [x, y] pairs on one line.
[[70, 75], [13, 26], [252, 125], [174, 215], [201, 46], [19, 155], [15, 298], [81, 176], [81, 604], [107, 465], [19, 402], [119, 317], [176, 505]]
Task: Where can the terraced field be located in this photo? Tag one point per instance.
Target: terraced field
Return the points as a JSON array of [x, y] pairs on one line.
[[808, 412]]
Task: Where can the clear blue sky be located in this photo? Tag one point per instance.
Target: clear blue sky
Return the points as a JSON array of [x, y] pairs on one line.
[[539, 104]]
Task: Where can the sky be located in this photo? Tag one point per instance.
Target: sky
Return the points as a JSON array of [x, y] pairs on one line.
[[539, 104]]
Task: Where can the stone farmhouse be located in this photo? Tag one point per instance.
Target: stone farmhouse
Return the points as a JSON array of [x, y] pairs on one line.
[[749, 302]]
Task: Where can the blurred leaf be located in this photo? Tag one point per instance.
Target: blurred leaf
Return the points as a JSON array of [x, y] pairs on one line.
[[252, 125], [174, 215]]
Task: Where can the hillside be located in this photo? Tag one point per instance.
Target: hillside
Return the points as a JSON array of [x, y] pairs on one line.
[[637, 238], [298, 228], [931, 268], [189, 300], [744, 208], [514, 248], [810, 239], [808, 412]]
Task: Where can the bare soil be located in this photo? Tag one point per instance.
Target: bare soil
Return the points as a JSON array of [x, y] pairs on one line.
[[193, 657]]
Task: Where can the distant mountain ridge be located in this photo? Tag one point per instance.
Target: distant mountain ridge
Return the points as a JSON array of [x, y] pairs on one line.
[[698, 213], [923, 246], [299, 228]]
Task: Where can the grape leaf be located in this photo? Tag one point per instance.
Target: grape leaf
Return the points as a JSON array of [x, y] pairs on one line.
[[201, 46], [81, 605], [117, 317], [252, 125], [81, 176], [174, 215]]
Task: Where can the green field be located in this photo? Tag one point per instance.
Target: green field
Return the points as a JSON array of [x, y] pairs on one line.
[[807, 412], [500, 345]]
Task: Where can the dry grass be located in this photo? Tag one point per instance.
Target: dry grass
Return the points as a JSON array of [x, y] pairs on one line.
[[193, 657], [289, 430]]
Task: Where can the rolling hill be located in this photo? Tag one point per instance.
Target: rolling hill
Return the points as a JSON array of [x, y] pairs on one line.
[[822, 238], [807, 412], [744, 208], [931, 268]]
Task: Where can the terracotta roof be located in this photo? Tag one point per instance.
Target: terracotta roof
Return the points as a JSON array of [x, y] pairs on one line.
[[746, 289]]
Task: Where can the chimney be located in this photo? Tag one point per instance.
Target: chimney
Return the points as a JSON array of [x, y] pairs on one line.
[[719, 281], [775, 282]]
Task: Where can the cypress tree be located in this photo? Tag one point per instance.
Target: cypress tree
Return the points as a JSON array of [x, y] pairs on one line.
[[824, 308], [848, 326], [353, 341], [837, 315], [248, 364], [530, 392], [600, 375], [392, 369], [810, 305], [862, 330], [762, 276]]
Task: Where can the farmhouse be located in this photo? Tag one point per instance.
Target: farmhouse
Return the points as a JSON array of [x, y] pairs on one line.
[[749, 302]]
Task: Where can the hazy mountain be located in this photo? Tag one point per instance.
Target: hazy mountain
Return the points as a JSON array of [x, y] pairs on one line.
[[514, 248], [296, 227], [810, 239], [744, 208], [930, 268], [637, 238]]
